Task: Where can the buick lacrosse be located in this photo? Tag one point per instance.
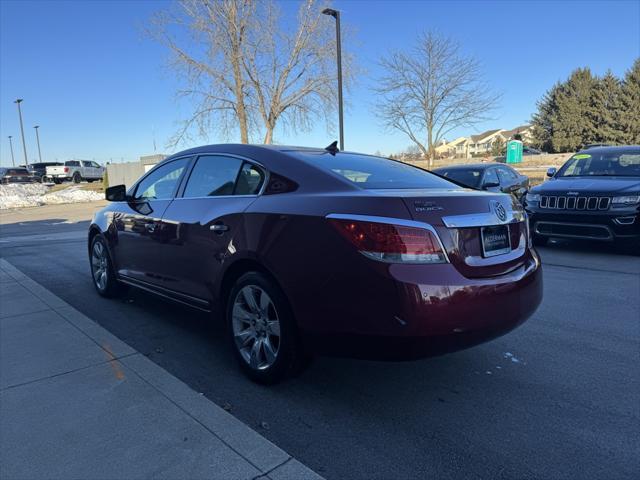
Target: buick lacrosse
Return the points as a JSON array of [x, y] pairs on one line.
[[308, 251]]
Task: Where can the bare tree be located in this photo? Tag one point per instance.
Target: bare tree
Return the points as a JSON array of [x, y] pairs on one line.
[[431, 91], [244, 72]]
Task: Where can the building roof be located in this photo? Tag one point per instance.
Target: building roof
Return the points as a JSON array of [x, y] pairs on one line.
[[483, 135], [513, 131], [457, 141]]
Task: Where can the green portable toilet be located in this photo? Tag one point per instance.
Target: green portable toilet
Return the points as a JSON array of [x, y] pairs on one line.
[[514, 151]]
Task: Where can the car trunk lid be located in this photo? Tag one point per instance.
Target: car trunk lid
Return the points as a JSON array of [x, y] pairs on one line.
[[472, 226]]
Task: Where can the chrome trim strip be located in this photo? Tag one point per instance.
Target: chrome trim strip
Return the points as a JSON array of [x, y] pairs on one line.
[[391, 221], [179, 297], [567, 235], [482, 219]]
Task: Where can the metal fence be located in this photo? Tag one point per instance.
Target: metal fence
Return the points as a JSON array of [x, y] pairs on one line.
[[124, 173]]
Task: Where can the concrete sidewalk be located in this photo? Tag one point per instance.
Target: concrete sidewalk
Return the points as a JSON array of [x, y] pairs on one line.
[[76, 402]]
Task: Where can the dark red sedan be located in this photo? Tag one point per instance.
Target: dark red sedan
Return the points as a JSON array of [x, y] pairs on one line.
[[319, 251]]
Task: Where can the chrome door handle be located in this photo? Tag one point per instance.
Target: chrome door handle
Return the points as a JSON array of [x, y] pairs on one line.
[[219, 227]]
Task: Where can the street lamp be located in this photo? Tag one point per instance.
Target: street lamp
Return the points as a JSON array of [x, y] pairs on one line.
[[38, 140], [336, 14], [24, 144], [13, 161]]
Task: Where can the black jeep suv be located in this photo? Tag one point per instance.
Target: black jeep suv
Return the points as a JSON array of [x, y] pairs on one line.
[[595, 195]]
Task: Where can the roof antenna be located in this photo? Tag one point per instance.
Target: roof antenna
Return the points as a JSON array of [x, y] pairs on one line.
[[332, 148]]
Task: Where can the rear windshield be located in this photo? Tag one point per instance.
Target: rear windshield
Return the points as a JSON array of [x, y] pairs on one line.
[[17, 171], [603, 163], [375, 172], [470, 177]]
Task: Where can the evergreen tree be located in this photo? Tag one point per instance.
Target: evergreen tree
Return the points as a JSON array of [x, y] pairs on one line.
[[572, 126], [605, 110], [542, 120], [630, 102]]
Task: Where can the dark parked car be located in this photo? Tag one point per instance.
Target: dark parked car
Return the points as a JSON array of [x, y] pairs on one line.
[[494, 177], [15, 175], [39, 170], [530, 151], [595, 195], [319, 251]]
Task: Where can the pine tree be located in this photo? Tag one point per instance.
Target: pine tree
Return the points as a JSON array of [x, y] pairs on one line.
[[572, 126], [542, 121], [630, 106], [605, 110]]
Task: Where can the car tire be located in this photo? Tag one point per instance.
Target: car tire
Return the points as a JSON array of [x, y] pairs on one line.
[[76, 178], [262, 330], [57, 181], [540, 241], [103, 274]]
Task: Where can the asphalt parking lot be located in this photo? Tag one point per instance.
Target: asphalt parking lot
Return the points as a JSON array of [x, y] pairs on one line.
[[557, 398]]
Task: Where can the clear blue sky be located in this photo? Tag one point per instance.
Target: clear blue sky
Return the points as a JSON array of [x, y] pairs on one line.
[[98, 88]]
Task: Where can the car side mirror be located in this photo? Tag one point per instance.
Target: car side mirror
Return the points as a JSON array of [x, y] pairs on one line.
[[551, 172], [117, 193], [487, 185]]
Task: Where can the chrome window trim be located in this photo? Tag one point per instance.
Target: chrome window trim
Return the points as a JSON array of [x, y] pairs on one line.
[[482, 219], [392, 221]]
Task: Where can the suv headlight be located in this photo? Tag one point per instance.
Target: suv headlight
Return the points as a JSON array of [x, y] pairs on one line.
[[626, 200], [533, 197]]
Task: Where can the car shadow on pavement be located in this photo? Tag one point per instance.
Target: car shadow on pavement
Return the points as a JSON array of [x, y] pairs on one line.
[[42, 227]]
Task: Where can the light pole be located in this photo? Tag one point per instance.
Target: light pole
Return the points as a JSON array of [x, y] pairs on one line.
[[336, 14], [13, 161], [24, 144], [38, 140]]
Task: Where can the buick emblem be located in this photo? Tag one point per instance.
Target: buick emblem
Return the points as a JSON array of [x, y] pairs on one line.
[[498, 210]]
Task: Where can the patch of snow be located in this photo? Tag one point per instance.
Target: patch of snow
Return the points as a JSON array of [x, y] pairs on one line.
[[35, 194]]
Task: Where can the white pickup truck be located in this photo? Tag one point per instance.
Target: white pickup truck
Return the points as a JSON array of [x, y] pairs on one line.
[[76, 171]]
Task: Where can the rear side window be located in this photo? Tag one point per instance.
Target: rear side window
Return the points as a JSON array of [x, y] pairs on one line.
[[506, 174], [250, 180], [467, 177], [212, 176], [72, 163], [490, 176], [375, 172]]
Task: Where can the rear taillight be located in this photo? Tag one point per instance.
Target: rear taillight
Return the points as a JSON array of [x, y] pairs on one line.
[[391, 242], [66, 169]]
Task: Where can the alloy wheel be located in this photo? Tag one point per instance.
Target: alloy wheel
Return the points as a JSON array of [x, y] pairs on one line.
[[99, 265], [256, 327]]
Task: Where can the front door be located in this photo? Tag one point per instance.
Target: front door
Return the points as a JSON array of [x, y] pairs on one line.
[[137, 251], [204, 224]]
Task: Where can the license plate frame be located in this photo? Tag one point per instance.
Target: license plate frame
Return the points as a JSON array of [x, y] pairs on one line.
[[502, 247]]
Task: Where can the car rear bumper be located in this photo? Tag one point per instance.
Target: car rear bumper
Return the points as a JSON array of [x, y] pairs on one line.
[[434, 311]]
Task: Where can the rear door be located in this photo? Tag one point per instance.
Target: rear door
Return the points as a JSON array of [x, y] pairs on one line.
[[203, 225], [138, 250], [86, 169]]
